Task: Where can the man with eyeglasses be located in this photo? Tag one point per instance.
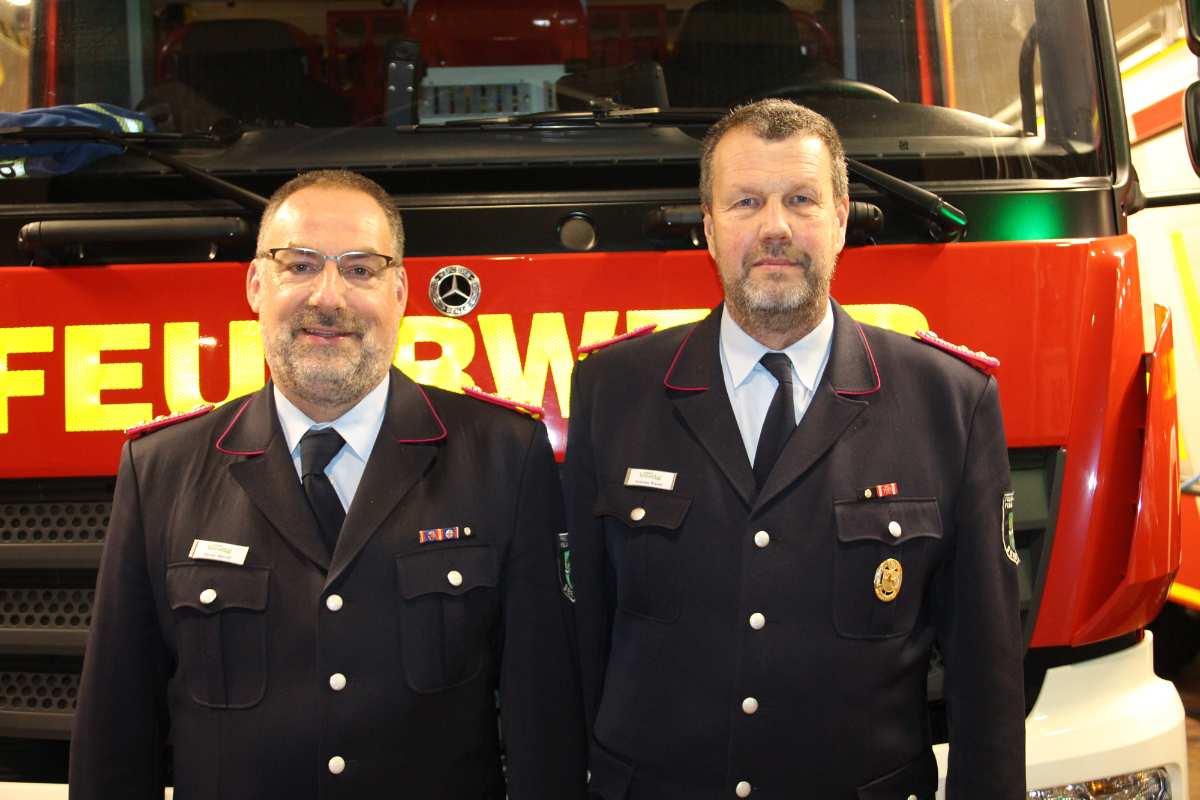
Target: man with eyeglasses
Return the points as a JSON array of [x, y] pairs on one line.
[[322, 589]]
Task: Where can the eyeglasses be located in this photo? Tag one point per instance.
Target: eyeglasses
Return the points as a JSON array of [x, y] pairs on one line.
[[300, 265]]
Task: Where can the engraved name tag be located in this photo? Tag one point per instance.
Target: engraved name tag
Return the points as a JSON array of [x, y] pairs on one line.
[[219, 551], [650, 478]]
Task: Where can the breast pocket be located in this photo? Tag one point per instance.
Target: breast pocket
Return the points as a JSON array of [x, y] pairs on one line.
[[886, 554], [644, 527], [447, 608], [220, 613]]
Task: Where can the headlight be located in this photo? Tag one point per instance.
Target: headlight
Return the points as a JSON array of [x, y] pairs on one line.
[[1149, 785]]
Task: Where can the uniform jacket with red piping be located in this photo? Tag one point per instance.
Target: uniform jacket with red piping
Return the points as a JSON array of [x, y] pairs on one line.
[[240, 679], [732, 636]]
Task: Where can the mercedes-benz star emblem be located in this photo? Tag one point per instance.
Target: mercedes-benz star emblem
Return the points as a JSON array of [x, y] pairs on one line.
[[454, 290]]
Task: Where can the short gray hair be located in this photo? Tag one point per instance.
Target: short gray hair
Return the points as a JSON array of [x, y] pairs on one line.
[[774, 120], [338, 179]]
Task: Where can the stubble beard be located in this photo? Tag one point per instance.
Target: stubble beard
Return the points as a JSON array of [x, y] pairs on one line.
[[771, 305], [333, 379]]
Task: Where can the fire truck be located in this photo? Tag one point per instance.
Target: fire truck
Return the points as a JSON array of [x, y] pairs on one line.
[[1156, 70], [544, 154]]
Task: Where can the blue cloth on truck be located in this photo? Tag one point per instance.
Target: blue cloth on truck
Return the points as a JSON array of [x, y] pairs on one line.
[[59, 158]]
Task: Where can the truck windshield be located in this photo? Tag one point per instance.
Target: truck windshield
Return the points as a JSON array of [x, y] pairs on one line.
[[968, 89]]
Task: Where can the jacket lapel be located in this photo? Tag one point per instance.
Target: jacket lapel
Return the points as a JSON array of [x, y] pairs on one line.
[[850, 375], [407, 443], [267, 474], [695, 385]]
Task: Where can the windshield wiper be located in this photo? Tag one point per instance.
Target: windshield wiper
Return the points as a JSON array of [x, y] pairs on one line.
[[138, 143], [600, 113], [946, 222]]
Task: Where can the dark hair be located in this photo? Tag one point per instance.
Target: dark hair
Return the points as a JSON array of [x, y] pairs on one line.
[[338, 179], [775, 120]]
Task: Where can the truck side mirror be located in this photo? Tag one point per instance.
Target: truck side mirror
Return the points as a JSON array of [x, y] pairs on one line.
[[1191, 123], [1191, 13]]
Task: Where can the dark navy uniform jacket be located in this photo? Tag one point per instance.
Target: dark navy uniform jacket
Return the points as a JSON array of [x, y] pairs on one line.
[[732, 643], [239, 678]]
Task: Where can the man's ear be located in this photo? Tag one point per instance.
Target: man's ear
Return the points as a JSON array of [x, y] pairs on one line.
[[402, 289], [842, 209], [708, 231], [253, 285]]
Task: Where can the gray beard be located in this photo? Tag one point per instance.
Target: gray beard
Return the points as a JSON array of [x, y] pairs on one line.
[[327, 380], [778, 309]]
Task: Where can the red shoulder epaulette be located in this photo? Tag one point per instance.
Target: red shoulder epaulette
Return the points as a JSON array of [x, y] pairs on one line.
[[976, 358], [167, 420], [585, 350], [513, 405]]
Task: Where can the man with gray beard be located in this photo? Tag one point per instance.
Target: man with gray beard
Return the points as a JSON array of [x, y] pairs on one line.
[[777, 514], [319, 590]]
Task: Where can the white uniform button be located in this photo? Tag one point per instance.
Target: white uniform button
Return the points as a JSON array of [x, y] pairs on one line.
[[208, 596], [750, 705], [912, 797], [638, 514], [762, 538], [742, 789], [337, 765], [454, 577], [334, 602], [894, 529], [337, 681], [757, 621]]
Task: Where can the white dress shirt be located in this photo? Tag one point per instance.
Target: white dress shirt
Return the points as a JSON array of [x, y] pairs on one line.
[[359, 427], [750, 386]]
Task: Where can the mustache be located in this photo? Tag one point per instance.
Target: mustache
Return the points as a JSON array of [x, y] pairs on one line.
[[780, 250], [337, 320]]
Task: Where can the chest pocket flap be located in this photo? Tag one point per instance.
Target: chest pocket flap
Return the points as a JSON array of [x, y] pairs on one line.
[[642, 508], [212, 588], [453, 570], [888, 521]]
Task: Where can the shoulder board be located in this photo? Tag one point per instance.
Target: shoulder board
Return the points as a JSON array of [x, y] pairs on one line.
[[166, 421], [585, 350], [976, 358], [537, 412]]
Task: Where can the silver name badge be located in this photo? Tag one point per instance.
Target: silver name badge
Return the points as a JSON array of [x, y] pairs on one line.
[[650, 478], [219, 551]]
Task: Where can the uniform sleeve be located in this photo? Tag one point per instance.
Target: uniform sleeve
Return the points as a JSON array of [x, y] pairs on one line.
[[120, 725], [593, 592], [540, 707], [979, 629]]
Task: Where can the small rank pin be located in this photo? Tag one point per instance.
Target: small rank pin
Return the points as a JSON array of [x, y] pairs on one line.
[[976, 358], [166, 420], [585, 350], [427, 535], [537, 412], [880, 490]]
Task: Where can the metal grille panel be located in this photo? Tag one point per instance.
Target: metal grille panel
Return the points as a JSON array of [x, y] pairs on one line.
[[46, 608], [47, 692], [50, 522]]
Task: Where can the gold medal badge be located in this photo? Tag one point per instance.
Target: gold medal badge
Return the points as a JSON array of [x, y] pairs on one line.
[[888, 577]]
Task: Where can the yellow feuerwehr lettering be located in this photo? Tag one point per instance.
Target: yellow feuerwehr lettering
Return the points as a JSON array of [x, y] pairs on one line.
[[549, 352], [902, 319], [181, 363], [21, 382], [86, 377], [663, 317], [448, 370]]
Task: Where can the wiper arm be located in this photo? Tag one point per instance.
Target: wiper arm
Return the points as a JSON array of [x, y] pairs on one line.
[[602, 112], [946, 222], [130, 142]]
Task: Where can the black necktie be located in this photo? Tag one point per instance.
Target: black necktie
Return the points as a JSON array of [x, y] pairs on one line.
[[780, 420], [317, 449]]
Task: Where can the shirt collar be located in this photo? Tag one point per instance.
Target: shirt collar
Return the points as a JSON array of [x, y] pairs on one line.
[[808, 354], [359, 426]]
